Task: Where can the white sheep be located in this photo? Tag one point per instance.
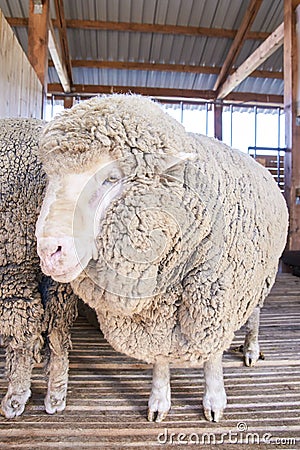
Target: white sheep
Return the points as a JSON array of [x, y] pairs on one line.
[[33, 308], [173, 238]]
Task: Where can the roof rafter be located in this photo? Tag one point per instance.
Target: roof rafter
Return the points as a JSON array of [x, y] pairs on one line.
[[58, 62], [238, 41], [62, 30], [146, 28], [93, 89], [163, 67], [263, 52], [38, 39]]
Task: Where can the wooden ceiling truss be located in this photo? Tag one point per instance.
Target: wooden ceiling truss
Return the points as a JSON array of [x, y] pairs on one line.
[[227, 77], [238, 42]]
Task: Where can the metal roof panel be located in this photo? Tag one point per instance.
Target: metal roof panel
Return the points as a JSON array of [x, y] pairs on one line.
[[158, 47]]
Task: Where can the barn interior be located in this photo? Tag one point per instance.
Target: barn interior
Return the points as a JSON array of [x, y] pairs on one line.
[[225, 68]]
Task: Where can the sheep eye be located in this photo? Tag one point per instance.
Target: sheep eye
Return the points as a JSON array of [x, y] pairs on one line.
[[110, 180]]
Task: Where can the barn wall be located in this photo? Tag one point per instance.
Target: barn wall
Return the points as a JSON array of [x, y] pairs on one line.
[[21, 93]]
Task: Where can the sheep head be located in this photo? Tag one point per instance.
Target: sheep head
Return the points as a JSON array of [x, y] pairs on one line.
[[122, 199], [124, 223], [65, 228]]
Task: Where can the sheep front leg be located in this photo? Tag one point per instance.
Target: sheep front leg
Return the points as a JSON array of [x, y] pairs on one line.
[[160, 397], [214, 399], [19, 365], [60, 314], [55, 400], [251, 344]]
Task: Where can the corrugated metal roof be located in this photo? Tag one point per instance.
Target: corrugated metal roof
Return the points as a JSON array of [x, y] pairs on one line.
[[160, 48], [262, 85]]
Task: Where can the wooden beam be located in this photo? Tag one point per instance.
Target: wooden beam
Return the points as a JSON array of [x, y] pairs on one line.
[[68, 102], [261, 54], [130, 65], [59, 64], [292, 126], [298, 59], [218, 109], [94, 89], [239, 97], [62, 30], [157, 28], [148, 66], [147, 28], [238, 41], [38, 39], [17, 21], [254, 98]]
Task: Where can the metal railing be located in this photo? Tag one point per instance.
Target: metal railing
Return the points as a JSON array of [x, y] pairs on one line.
[[279, 151]]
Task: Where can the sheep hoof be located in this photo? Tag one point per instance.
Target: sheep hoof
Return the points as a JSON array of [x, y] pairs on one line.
[[54, 404], [251, 355], [14, 405], [159, 404], [156, 416], [214, 404], [213, 416]]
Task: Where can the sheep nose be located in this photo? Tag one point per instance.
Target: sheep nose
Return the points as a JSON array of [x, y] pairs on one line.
[[50, 251]]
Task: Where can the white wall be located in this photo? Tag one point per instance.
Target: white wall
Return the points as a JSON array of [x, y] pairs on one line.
[[21, 93]]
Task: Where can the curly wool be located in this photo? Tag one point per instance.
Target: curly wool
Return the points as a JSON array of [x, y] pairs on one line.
[[120, 128], [217, 266], [31, 306], [22, 186]]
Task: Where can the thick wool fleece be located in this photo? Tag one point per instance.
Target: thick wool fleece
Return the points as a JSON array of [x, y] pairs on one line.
[[30, 304], [22, 185], [216, 222]]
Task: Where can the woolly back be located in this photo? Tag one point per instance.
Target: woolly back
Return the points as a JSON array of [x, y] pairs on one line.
[[20, 169], [22, 186]]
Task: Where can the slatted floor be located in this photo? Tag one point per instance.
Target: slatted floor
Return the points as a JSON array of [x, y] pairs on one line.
[[108, 392]]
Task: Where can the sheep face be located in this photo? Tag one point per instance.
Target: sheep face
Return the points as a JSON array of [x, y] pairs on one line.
[[123, 222], [69, 219]]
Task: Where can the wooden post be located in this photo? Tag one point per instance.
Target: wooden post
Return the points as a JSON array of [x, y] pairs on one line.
[[68, 102], [218, 109], [298, 59], [38, 39], [292, 122]]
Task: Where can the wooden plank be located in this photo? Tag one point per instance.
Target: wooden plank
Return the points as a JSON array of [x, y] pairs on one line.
[[107, 399], [68, 102], [261, 54], [218, 109], [93, 89], [252, 97], [238, 41], [5, 49], [62, 30], [129, 65], [18, 63], [58, 62], [298, 61], [20, 87], [163, 67], [38, 40], [292, 126], [146, 28]]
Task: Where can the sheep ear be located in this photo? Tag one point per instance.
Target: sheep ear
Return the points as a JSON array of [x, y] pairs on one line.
[[176, 160]]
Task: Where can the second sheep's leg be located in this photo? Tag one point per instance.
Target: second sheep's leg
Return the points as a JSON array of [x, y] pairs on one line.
[[55, 400], [251, 344], [61, 312], [214, 398], [160, 398], [19, 365]]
